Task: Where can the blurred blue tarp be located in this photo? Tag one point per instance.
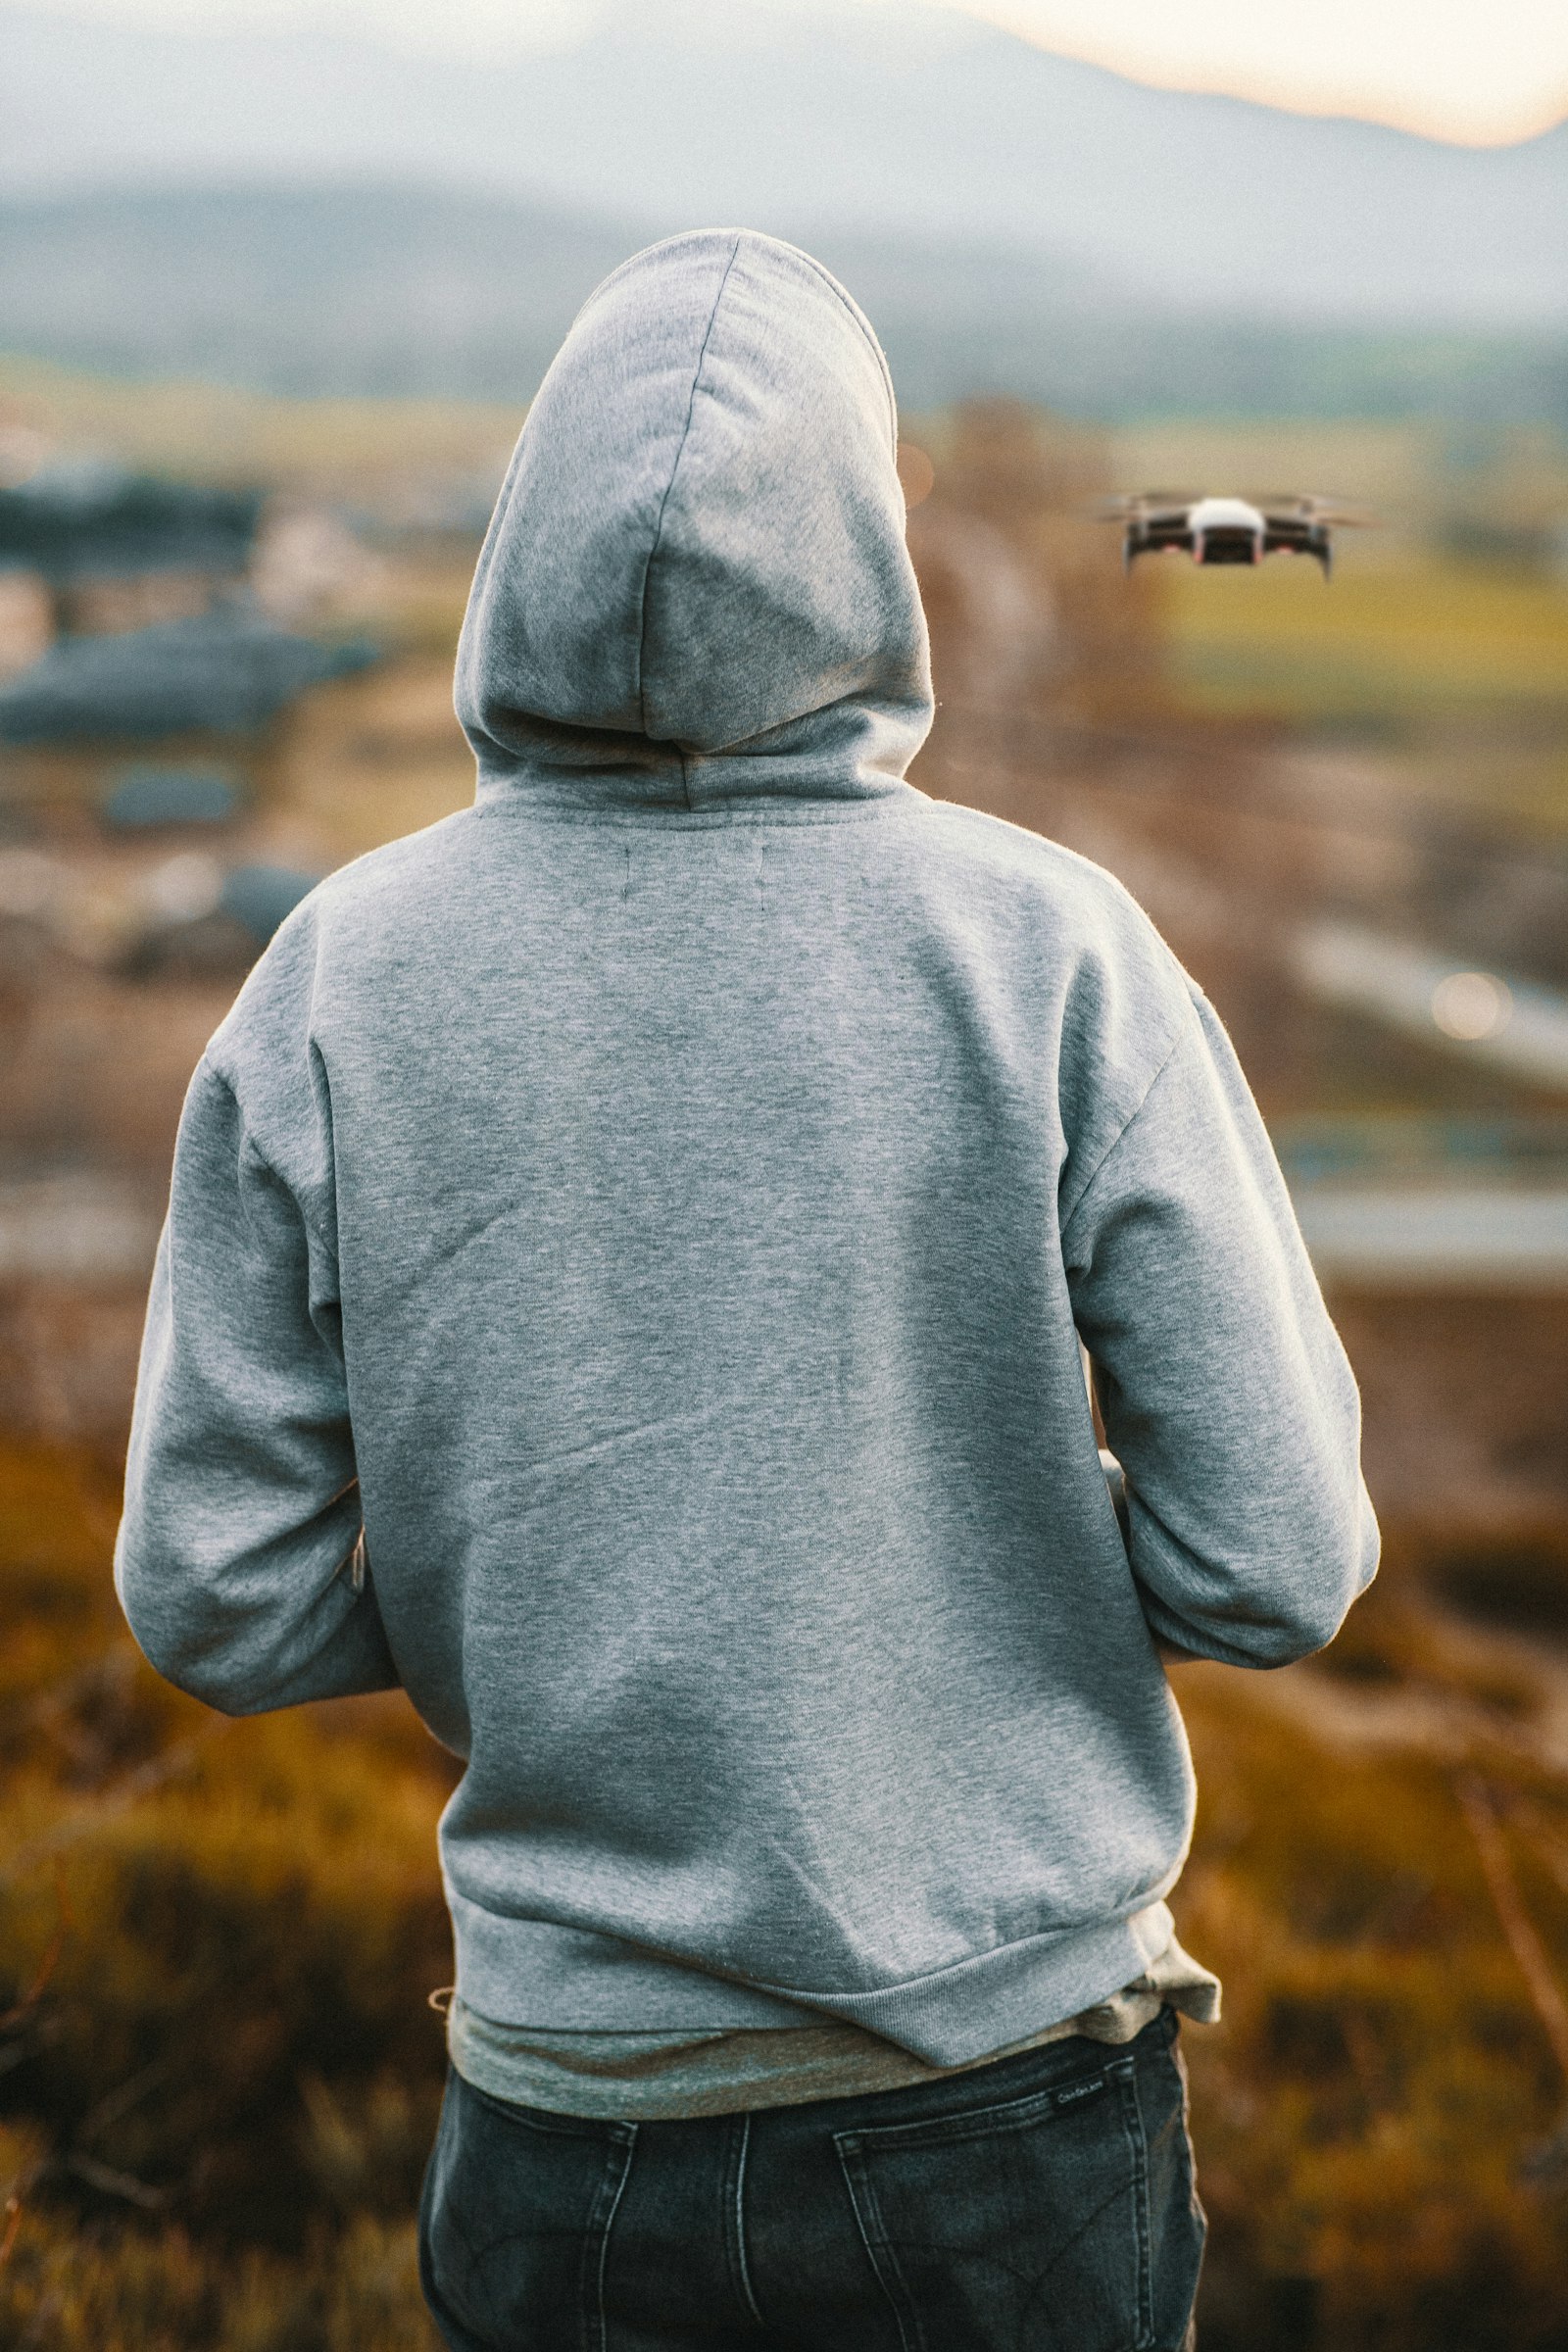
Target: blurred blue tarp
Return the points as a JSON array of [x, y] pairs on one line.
[[95, 520], [170, 796], [224, 672], [259, 896]]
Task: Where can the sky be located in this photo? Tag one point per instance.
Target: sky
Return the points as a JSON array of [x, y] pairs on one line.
[[1478, 72], [1475, 71]]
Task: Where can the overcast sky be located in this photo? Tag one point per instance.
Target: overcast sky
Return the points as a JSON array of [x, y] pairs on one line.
[[1478, 71]]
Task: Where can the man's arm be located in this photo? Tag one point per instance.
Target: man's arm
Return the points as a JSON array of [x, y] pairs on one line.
[[1225, 1392], [242, 1506], [1116, 1486]]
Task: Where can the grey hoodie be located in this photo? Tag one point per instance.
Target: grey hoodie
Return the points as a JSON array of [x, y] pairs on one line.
[[665, 1200]]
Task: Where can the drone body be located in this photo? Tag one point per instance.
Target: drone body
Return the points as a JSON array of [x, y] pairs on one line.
[[1227, 530]]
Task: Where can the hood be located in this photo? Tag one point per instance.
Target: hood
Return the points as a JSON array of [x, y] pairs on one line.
[[694, 587]]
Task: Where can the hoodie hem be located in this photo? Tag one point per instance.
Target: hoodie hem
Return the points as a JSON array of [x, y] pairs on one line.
[[534, 1974]]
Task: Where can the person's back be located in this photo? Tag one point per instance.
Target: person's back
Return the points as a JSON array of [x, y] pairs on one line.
[[676, 1190]]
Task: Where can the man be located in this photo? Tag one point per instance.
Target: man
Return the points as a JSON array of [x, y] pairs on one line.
[[661, 1206]]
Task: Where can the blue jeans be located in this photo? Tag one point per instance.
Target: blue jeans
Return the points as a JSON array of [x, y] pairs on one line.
[[1043, 2201]]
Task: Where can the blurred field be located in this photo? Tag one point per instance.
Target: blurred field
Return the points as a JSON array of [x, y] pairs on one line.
[[1455, 671], [219, 2074], [1442, 642], [212, 432], [1384, 641]]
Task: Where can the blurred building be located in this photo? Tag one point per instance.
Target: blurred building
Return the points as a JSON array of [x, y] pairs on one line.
[[222, 671], [135, 607], [113, 549]]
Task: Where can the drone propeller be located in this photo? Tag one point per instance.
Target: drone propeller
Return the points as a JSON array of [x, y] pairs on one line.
[[1307, 507], [1125, 506]]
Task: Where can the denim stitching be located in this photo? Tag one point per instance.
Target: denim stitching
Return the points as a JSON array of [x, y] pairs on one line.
[[596, 2325], [1121, 2077], [737, 2221], [1138, 2148], [889, 2277], [532, 2118], [1019, 2113]]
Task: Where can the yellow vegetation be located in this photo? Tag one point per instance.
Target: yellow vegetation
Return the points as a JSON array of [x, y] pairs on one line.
[[221, 2073], [216, 1944], [220, 433], [1421, 634]]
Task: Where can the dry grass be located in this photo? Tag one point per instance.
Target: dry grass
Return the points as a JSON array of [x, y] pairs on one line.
[[353, 2290], [220, 2073], [1372, 2116]]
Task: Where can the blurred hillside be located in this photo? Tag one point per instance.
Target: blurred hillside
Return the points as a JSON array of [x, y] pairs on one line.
[[821, 120], [409, 291], [304, 210]]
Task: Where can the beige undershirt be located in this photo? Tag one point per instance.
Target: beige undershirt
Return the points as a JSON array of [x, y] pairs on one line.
[[649, 2078]]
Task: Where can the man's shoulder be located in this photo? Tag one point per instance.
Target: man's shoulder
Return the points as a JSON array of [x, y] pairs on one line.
[[402, 868], [359, 912], [1080, 953], [1087, 906], [371, 896]]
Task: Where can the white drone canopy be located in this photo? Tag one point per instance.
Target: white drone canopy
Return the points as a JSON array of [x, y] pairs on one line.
[[1224, 515]]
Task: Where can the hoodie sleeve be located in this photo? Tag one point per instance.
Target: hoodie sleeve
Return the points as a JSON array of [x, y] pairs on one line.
[[238, 1564], [1225, 1392]]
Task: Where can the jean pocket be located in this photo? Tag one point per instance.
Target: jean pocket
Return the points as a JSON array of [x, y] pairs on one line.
[[1022, 2224], [514, 2222]]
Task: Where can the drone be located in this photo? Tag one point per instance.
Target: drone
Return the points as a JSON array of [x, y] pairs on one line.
[[1227, 530]]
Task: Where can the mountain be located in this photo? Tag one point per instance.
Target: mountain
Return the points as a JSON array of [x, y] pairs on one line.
[[411, 291], [335, 290], [917, 126]]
